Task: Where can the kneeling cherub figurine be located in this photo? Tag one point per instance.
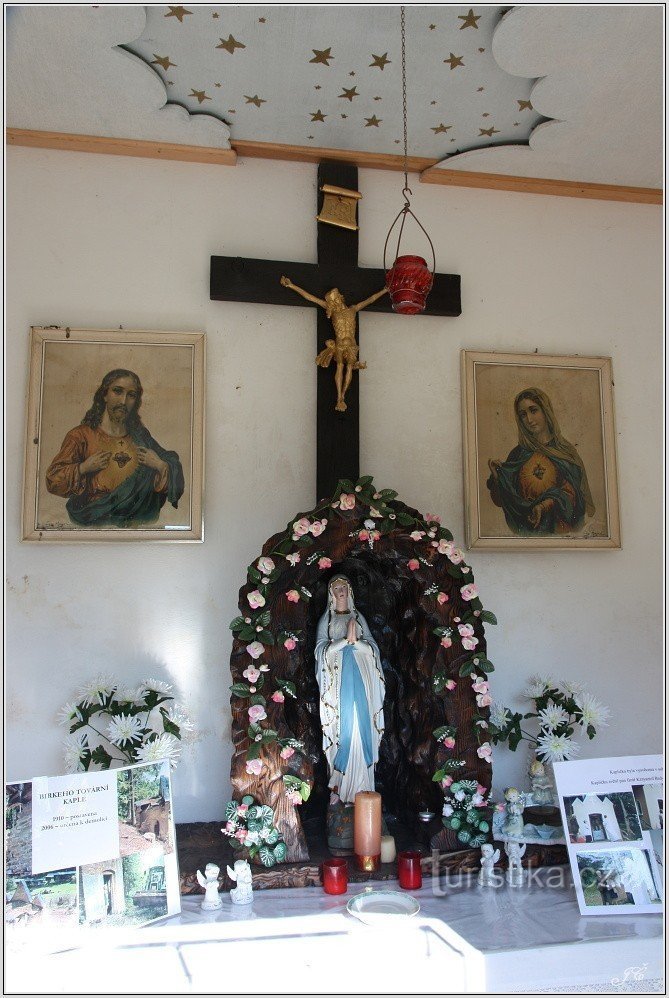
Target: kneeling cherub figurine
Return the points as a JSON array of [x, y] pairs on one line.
[[243, 892], [489, 856], [211, 900]]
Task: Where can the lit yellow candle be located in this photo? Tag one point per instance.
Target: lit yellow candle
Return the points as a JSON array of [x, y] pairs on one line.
[[367, 829], [388, 851]]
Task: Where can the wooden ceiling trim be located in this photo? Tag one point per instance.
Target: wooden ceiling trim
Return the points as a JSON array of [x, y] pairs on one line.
[[307, 154]]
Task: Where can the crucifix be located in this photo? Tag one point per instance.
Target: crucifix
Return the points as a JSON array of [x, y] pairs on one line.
[[259, 281]]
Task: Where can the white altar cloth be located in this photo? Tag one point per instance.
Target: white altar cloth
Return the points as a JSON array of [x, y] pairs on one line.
[[465, 939]]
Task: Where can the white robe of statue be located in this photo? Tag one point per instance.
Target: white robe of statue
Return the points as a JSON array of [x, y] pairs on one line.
[[331, 642]]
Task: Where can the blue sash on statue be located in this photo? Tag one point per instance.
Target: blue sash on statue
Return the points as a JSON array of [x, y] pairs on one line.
[[352, 693]]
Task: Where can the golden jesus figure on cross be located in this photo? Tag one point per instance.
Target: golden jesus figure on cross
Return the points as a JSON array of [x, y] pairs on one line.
[[343, 347]]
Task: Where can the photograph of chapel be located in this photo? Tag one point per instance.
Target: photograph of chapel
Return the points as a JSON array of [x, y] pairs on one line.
[[340, 202]]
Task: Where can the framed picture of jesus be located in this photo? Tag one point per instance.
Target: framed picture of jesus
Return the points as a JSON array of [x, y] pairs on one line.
[[115, 436], [539, 452]]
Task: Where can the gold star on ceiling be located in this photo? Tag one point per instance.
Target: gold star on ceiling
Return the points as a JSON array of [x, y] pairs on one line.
[[200, 94], [377, 98], [214, 15], [524, 105], [351, 73], [318, 115], [373, 122], [262, 20], [469, 20], [349, 94], [380, 61], [179, 13], [257, 101], [217, 84], [162, 60], [480, 90], [230, 45], [455, 60], [322, 55], [170, 83], [481, 50], [516, 123], [343, 116], [432, 27], [318, 87], [433, 102], [441, 127], [486, 114], [488, 131]]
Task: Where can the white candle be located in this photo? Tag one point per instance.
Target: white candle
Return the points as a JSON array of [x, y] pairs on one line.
[[388, 851]]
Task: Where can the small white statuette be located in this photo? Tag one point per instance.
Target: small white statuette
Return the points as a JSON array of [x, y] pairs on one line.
[[514, 807], [243, 892], [489, 857], [515, 875], [211, 900]]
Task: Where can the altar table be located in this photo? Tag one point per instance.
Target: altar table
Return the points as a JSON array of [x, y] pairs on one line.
[[465, 939]]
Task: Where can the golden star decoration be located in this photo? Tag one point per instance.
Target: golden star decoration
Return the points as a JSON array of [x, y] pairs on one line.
[[469, 20], [373, 122], [230, 45], [380, 61], [488, 131], [179, 13], [432, 27], [525, 105], [318, 115], [322, 56], [455, 60], [349, 94], [481, 50], [162, 60], [441, 127], [214, 15], [257, 101], [217, 84], [480, 90], [200, 94], [262, 20], [343, 116]]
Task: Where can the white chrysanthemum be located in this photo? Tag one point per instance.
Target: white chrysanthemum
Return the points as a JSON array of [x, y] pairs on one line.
[[572, 689], [163, 747], [124, 728], [499, 715], [536, 687], [132, 696], [552, 716], [592, 711], [73, 748], [69, 713], [556, 748], [96, 691], [157, 685]]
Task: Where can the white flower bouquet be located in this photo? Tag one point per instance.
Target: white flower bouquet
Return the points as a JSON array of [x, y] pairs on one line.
[[110, 726]]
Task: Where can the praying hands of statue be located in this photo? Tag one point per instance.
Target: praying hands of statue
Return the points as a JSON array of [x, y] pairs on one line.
[[343, 349], [352, 632]]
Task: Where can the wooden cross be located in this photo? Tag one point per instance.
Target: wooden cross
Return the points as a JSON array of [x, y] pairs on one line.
[[258, 281]]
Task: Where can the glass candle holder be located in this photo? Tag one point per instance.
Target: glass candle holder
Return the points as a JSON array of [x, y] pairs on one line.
[[409, 871], [335, 876]]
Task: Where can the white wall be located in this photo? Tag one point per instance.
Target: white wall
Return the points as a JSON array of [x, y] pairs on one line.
[[96, 241]]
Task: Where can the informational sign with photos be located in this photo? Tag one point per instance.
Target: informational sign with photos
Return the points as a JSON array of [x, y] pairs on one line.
[[93, 849], [613, 815]]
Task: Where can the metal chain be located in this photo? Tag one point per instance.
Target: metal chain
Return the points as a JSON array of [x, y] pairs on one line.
[[406, 191]]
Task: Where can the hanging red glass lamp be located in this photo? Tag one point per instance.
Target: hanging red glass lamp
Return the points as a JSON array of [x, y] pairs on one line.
[[409, 280]]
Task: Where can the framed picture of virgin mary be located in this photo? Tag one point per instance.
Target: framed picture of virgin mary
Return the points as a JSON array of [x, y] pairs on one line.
[[114, 441], [539, 452]]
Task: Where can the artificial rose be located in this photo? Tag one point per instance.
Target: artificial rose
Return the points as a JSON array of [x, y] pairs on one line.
[[252, 674], [241, 833], [446, 782], [470, 643], [293, 596], [294, 797], [445, 547], [242, 809], [480, 685], [278, 696], [469, 591], [446, 641], [266, 566], [431, 518], [293, 558], [287, 752], [414, 564], [484, 699], [450, 684], [417, 535], [456, 556], [374, 535], [363, 535], [448, 742], [301, 527], [481, 789], [466, 630], [264, 667], [485, 752], [447, 810], [256, 713], [324, 563], [255, 599], [317, 527], [254, 767], [442, 598], [289, 644], [347, 501], [255, 649]]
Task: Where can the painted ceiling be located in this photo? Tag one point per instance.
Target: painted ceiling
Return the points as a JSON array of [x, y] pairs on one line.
[[567, 92]]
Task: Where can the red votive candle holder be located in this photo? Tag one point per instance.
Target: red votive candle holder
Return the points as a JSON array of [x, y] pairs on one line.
[[335, 876], [409, 871]]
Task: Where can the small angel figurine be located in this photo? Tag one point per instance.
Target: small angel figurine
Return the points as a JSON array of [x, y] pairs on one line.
[[211, 900], [489, 856], [542, 792], [243, 892], [515, 805], [515, 875]]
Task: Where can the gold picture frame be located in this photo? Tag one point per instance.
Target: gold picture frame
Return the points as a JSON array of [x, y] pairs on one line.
[[539, 452], [96, 467]]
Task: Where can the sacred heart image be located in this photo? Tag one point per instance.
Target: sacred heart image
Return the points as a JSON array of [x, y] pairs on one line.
[[114, 446], [539, 451]]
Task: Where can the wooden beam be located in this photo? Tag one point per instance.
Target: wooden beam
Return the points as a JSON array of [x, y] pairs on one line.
[[307, 154], [120, 147]]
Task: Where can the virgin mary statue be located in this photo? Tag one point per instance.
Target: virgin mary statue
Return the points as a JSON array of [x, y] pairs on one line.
[[350, 679]]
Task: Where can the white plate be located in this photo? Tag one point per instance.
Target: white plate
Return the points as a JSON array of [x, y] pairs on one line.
[[373, 907]]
